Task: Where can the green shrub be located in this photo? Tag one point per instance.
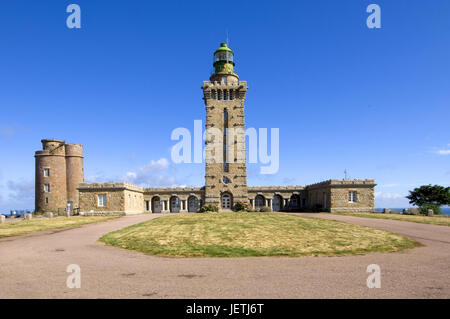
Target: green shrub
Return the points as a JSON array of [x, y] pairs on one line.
[[241, 207], [425, 207], [208, 208], [265, 209]]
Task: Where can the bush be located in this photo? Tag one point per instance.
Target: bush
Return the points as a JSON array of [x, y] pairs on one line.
[[241, 207], [265, 209], [208, 208], [425, 207]]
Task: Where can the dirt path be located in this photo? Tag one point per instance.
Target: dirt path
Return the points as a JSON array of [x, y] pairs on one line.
[[34, 266]]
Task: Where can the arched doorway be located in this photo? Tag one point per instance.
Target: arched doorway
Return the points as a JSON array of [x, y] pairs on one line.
[[193, 204], [156, 204], [259, 202], [294, 202], [227, 201], [277, 203], [175, 204]]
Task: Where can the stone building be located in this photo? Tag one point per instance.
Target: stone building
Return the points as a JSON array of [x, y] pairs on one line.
[[225, 169]]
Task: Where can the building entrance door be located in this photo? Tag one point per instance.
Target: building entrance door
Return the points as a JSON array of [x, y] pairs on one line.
[[156, 205], [192, 204], [175, 205], [276, 203], [226, 201]]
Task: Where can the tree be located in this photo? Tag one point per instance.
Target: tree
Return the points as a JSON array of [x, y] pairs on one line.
[[428, 196]]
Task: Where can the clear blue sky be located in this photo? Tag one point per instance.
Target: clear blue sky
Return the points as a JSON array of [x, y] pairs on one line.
[[376, 102]]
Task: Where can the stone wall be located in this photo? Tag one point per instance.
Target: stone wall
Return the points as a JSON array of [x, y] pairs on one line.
[[134, 201]]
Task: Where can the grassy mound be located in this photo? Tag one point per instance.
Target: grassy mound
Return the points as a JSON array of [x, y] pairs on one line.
[[252, 234]]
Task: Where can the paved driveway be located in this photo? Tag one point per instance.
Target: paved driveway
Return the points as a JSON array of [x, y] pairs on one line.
[[34, 266]]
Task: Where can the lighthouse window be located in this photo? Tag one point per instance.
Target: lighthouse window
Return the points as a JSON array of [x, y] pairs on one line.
[[47, 188], [46, 172], [219, 95], [231, 95], [225, 95]]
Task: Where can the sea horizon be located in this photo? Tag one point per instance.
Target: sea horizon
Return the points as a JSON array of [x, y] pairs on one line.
[[445, 210]]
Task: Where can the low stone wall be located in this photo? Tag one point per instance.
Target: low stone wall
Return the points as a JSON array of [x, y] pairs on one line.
[[352, 210], [100, 213]]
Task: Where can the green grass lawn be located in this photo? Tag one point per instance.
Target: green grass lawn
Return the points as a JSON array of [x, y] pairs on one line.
[[435, 220], [23, 227], [252, 234]]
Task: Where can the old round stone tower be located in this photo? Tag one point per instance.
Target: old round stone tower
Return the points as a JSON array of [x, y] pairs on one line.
[[59, 172]]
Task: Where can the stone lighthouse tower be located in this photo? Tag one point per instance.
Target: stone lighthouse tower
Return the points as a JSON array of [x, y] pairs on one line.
[[224, 95], [59, 171]]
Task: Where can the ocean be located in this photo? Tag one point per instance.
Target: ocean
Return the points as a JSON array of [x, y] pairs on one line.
[[445, 210]]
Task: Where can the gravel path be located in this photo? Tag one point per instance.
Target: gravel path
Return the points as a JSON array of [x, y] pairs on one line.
[[34, 266]]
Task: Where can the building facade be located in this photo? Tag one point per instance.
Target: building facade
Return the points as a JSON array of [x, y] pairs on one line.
[[225, 170]]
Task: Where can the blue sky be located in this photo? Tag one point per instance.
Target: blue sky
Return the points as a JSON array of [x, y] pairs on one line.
[[373, 101]]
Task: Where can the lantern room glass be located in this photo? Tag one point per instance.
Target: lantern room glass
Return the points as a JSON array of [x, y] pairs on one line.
[[223, 56]]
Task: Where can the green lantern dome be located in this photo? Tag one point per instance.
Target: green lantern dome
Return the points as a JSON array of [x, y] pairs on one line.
[[223, 59], [223, 47]]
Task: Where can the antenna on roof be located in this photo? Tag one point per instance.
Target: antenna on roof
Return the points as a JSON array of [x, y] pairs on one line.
[[226, 31], [345, 173]]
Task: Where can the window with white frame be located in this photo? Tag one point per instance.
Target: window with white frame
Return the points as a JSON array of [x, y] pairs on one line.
[[101, 200], [47, 188], [352, 197], [46, 172]]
